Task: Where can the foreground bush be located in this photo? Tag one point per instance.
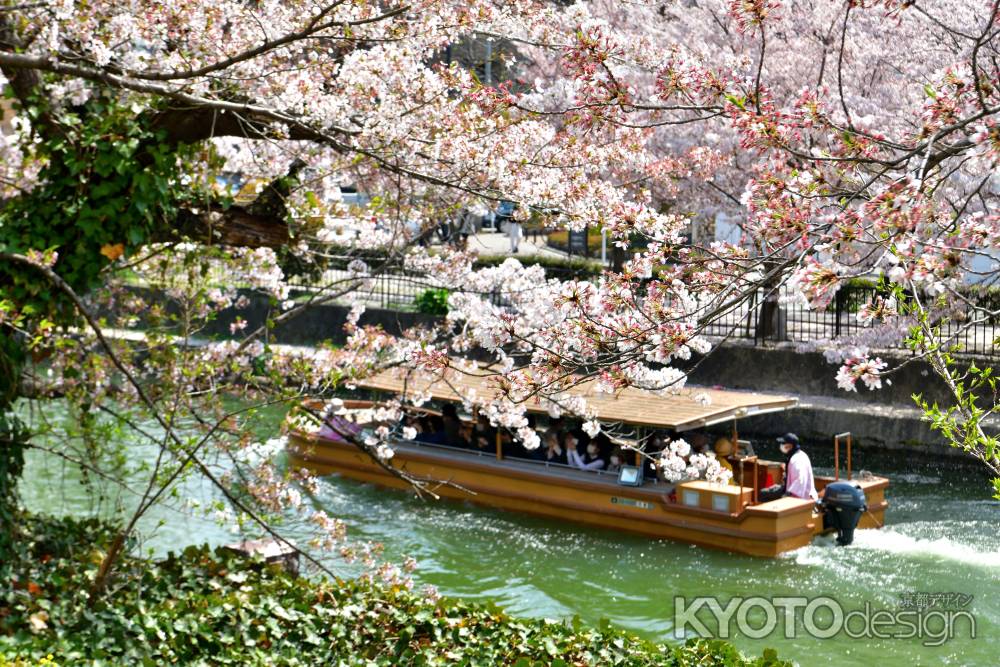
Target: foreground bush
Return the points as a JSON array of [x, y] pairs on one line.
[[432, 302], [208, 607]]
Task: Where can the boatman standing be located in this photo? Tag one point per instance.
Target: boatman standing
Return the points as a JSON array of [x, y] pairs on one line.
[[799, 480]]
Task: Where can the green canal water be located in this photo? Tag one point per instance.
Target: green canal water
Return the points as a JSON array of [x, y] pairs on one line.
[[941, 537]]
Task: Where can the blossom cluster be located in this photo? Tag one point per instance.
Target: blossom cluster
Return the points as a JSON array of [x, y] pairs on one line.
[[678, 464]]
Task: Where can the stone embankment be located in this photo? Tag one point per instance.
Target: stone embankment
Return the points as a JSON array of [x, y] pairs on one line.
[[882, 419], [886, 418]]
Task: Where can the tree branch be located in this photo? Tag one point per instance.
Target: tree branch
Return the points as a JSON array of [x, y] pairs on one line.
[[235, 226]]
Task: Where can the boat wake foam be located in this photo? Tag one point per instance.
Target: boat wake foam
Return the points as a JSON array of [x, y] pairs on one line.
[[895, 542], [890, 541]]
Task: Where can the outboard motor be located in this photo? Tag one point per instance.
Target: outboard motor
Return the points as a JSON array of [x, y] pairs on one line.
[[843, 504]]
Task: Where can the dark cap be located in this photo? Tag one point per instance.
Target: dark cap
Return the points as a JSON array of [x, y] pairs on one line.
[[789, 438]]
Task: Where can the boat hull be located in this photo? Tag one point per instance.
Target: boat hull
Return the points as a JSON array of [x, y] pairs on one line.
[[556, 492]]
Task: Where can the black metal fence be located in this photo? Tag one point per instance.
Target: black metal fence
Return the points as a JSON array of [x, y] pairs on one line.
[[765, 316], [396, 290]]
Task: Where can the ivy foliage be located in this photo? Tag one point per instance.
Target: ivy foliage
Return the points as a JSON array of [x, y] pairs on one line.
[[107, 181], [207, 607]]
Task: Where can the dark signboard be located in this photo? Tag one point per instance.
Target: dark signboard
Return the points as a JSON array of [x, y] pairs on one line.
[[578, 242]]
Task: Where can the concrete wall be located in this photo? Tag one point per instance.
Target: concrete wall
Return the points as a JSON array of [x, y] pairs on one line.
[[889, 428], [735, 365], [316, 324], [885, 419], [780, 367]]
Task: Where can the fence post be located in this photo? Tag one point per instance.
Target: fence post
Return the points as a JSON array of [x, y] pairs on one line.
[[768, 325], [752, 316], [839, 308]]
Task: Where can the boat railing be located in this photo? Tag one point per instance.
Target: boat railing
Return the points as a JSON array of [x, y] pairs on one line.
[[605, 475], [836, 454], [490, 454], [564, 466]]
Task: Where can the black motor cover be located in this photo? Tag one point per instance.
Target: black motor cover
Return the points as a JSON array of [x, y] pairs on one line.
[[843, 505]]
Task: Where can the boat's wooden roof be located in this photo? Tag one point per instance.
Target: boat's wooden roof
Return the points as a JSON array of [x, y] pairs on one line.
[[679, 412]]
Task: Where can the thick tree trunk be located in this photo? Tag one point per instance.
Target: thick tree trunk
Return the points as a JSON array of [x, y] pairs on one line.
[[12, 444], [234, 227]]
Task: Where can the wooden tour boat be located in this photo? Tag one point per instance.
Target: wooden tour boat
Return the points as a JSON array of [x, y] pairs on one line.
[[728, 517]]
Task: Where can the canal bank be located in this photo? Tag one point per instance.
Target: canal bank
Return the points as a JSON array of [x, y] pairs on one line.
[[886, 419]]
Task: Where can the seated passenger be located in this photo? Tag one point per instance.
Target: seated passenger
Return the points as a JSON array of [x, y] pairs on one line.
[[595, 457], [336, 426], [414, 422], [723, 450], [426, 423], [653, 452], [556, 425], [591, 459], [616, 460], [452, 426], [433, 433], [485, 444], [698, 441], [514, 448], [550, 451], [484, 436], [570, 446]]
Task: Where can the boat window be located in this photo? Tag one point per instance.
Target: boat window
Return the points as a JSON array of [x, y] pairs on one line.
[[691, 498], [720, 502]]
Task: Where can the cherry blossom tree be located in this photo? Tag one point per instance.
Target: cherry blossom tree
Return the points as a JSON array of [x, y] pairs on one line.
[[851, 139]]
